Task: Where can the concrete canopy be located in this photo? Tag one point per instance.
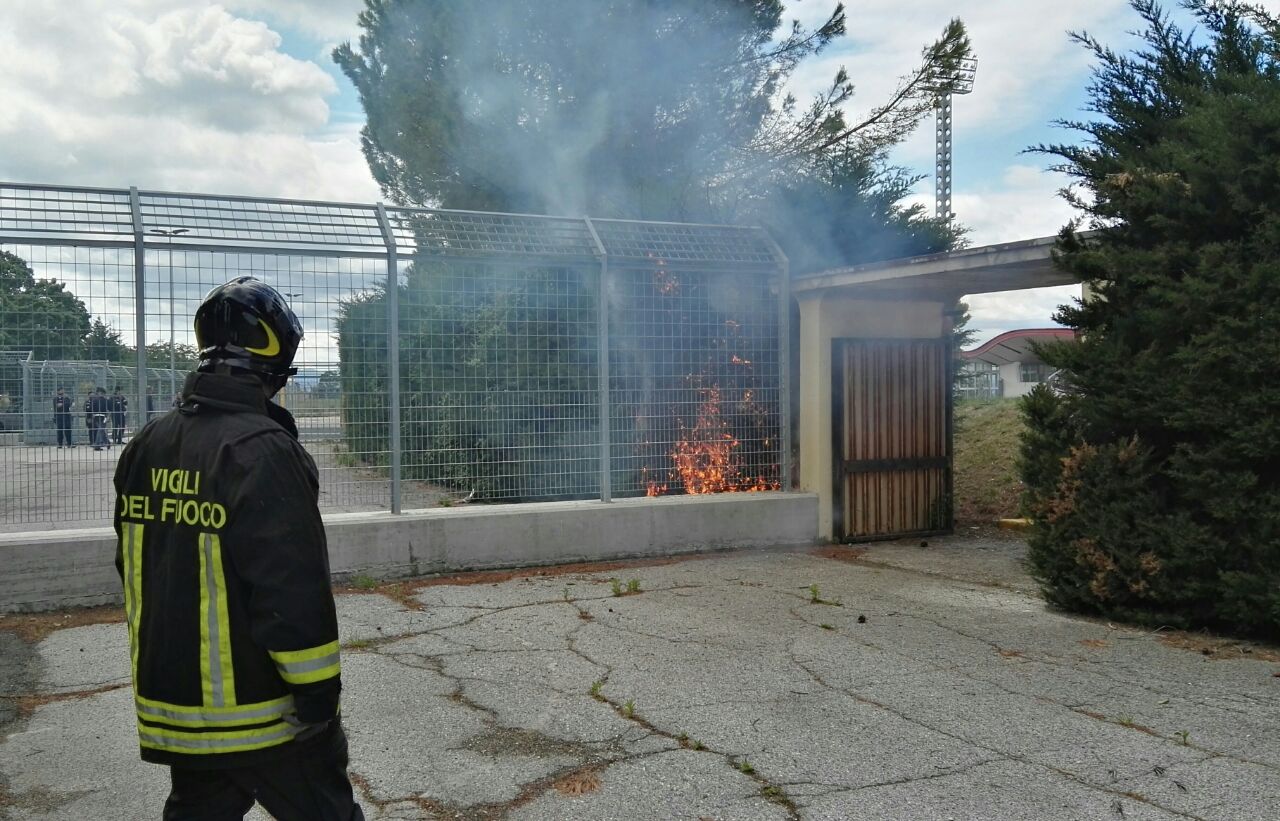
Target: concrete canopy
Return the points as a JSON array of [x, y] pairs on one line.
[[947, 276]]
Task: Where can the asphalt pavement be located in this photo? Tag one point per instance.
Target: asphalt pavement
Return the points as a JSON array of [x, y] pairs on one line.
[[906, 682]]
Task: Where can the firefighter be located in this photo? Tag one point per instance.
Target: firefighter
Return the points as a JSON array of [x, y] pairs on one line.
[[232, 626], [119, 411], [96, 408], [62, 418]]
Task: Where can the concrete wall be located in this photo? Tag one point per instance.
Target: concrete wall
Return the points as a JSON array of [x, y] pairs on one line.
[[43, 571], [826, 316]]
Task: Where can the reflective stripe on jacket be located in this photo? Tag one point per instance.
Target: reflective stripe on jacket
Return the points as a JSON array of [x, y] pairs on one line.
[[232, 627]]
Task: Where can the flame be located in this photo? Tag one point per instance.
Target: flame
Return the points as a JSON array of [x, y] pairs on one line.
[[704, 459]]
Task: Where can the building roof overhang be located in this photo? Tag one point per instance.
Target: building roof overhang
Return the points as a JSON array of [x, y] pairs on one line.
[[947, 276], [1015, 346]]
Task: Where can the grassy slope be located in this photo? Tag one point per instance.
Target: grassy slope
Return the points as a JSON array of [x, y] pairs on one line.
[[986, 442]]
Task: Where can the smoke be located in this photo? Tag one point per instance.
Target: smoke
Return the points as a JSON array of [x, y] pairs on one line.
[[644, 109]]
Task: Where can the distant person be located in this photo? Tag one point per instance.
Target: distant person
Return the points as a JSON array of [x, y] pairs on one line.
[[96, 409], [62, 418], [119, 410]]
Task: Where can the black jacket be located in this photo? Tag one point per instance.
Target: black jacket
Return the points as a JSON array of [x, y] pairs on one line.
[[233, 632], [62, 405], [93, 406]]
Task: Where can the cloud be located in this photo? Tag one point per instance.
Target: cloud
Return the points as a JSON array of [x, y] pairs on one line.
[[161, 94], [993, 314], [328, 20]]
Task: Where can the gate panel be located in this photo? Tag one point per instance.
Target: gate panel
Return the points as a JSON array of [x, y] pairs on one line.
[[892, 438]]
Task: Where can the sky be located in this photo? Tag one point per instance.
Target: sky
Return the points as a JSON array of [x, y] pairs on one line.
[[242, 97]]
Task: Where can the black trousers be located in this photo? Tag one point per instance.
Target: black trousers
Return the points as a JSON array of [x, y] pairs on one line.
[[117, 427], [64, 428], [308, 783]]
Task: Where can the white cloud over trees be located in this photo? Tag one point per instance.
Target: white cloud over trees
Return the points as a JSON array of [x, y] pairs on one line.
[[165, 94]]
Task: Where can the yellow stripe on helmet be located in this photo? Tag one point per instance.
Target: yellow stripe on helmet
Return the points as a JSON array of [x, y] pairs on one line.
[[273, 344]]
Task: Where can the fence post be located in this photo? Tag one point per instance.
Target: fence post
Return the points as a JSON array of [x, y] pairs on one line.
[[784, 360], [139, 303], [602, 347], [393, 353]]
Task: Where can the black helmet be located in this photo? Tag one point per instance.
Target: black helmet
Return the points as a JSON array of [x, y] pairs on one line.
[[247, 324]]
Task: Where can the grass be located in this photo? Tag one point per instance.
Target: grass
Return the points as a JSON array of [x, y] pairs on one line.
[[815, 597], [987, 486]]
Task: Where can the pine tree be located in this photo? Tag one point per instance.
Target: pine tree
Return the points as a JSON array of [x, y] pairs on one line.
[[1153, 474]]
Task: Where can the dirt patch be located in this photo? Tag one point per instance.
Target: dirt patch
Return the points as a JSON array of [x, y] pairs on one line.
[[1219, 649], [839, 552], [403, 592], [35, 627], [28, 704], [510, 741], [580, 782], [1094, 644]]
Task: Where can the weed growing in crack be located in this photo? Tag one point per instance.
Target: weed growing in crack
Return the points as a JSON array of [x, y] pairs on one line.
[[616, 586], [745, 766], [815, 597], [683, 738], [364, 582], [595, 689], [633, 585], [1182, 736], [1125, 720], [772, 792], [826, 627], [697, 745], [629, 709], [357, 644]]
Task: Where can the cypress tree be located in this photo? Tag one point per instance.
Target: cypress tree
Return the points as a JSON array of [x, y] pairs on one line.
[[1153, 471]]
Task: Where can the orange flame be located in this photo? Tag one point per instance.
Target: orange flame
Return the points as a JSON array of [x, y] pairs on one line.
[[704, 458]]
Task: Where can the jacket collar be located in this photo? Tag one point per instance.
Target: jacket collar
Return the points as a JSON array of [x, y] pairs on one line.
[[233, 393], [228, 392]]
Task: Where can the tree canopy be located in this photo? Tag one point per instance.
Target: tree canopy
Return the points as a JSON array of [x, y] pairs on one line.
[[39, 315], [647, 109], [1154, 473]]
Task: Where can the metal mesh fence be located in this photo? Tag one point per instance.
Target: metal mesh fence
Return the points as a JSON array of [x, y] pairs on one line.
[[517, 358]]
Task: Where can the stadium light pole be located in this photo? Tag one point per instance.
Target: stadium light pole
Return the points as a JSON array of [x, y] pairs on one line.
[[169, 234], [948, 82]]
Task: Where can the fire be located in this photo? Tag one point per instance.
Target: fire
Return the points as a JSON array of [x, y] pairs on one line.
[[705, 459], [652, 486], [663, 280]]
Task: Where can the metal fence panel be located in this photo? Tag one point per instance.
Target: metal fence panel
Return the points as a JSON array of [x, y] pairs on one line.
[[517, 358]]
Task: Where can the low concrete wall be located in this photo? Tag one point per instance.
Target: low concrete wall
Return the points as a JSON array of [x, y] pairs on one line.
[[44, 571]]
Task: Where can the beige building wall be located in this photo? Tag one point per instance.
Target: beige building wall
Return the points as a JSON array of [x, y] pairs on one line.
[[827, 317], [1011, 379]]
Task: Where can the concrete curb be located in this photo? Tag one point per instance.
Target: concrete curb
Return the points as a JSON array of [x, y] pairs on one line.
[[75, 568]]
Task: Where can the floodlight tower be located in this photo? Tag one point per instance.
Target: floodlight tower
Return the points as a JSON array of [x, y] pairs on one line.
[[947, 83]]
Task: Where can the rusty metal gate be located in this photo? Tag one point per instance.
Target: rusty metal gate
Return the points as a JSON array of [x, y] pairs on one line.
[[892, 437]]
